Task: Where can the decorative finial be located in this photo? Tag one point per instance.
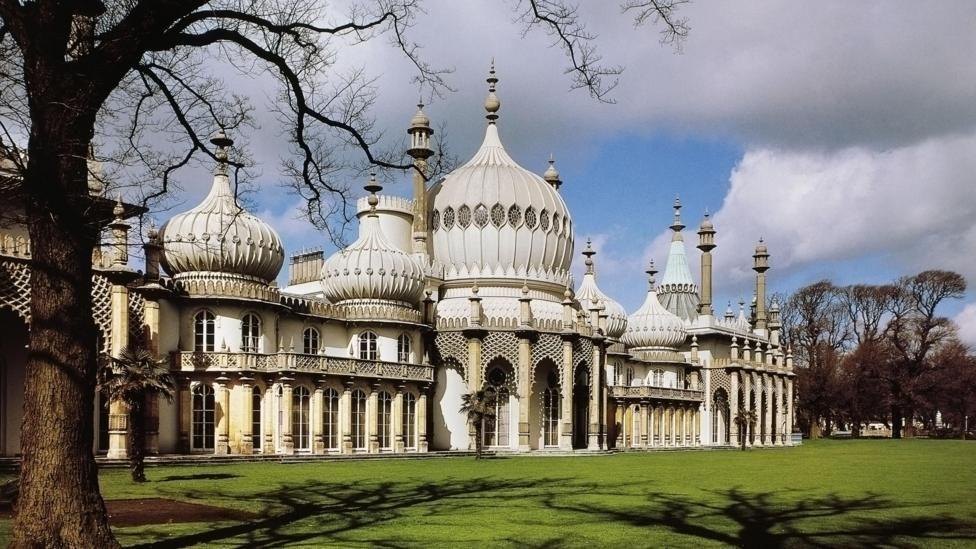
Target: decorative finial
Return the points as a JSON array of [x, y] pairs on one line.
[[589, 253], [552, 174], [118, 210], [492, 104], [677, 225], [651, 271], [525, 289], [372, 188], [222, 142]]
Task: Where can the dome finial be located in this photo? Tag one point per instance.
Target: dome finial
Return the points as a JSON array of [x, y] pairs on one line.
[[222, 142], [552, 174], [677, 225], [589, 253], [651, 271], [372, 188], [492, 103]]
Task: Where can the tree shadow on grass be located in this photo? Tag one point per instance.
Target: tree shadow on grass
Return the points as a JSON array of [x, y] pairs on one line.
[[787, 519], [200, 476], [334, 513]]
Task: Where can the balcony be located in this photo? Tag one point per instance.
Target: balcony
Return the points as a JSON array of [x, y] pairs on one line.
[[191, 361], [661, 393]]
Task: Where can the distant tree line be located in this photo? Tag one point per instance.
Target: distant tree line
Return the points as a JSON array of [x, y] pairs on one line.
[[880, 354]]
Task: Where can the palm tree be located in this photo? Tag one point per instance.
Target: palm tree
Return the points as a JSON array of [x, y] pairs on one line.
[[745, 419], [479, 406], [130, 379]]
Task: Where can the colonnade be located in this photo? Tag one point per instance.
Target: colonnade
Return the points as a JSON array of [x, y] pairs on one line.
[[774, 413], [649, 424]]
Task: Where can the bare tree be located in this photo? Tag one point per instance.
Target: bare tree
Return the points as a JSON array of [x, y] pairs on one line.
[[76, 72]]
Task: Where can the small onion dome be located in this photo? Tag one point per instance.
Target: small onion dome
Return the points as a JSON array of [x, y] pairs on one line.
[[652, 326], [706, 224], [218, 236], [551, 174], [589, 294], [761, 247], [372, 267], [420, 119]]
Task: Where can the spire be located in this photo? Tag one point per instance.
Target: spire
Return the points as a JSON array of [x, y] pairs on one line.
[[677, 225], [651, 271], [223, 143], [589, 253], [552, 174], [372, 188], [492, 103]]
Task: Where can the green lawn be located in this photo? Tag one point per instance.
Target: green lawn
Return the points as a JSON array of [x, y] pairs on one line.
[[830, 493]]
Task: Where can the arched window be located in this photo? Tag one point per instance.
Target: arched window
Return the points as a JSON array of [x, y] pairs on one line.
[[203, 331], [310, 341], [629, 377], [300, 415], [496, 429], [550, 412], [358, 420], [403, 348], [256, 425], [384, 420], [330, 418], [202, 425], [367, 346], [250, 333], [409, 420]]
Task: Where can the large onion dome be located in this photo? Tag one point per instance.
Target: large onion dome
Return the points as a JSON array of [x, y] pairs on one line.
[[589, 293], [219, 237], [493, 218], [652, 327], [373, 268]]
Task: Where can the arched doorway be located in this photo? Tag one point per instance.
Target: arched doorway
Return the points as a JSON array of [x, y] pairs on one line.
[[545, 406], [720, 417], [497, 431], [581, 405]]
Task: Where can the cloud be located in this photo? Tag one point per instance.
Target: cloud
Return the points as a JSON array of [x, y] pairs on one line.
[[966, 321]]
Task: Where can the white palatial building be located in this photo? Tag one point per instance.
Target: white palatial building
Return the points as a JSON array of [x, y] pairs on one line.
[[463, 285]]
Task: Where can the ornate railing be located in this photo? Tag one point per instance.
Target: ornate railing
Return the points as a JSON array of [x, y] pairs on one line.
[[648, 391], [298, 362]]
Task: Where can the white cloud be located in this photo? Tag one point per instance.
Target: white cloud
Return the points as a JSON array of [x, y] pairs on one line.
[[966, 320]]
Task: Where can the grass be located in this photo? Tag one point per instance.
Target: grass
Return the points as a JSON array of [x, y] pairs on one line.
[[829, 493]]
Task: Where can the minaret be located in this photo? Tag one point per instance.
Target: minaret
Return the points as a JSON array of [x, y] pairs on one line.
[[420, 132], [760, 264], [706, 243], [552, 174]]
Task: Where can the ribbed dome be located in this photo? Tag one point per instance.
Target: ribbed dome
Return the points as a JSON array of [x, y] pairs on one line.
[[653, 327], [218, 236], [372, 267], [589, 293]]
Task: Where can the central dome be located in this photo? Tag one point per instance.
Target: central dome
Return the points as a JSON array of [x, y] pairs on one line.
[[493, 218]]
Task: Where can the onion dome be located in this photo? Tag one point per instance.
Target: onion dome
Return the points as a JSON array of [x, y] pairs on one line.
[[420, 119], [219, 236], [679, 293], [493, 218], [589, 294], [652, 327], [551, 174], [372, 267]]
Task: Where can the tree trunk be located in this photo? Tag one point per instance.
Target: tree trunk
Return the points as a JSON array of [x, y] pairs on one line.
[[137, 440], [478, 441], [60, 505], [814, 428], [896, 421]]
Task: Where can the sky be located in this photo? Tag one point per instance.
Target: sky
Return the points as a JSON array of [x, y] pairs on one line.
[[843, 133]]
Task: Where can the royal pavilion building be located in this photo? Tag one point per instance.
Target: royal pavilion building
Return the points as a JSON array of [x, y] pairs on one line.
[[463, 285]]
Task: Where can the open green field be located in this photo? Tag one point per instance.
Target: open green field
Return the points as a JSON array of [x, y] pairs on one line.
[[830, 493]]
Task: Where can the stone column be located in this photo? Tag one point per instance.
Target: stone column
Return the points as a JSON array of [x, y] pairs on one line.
[[747, 403], [397, 420], [778, 416], [569, 427], [345, 418], [768, 385], [474, 374], [246, 446], [789, 414], [151, 330], [524, 370], [733, 408], [422, 419], [185, 409], [651, 428], [643, 424], [673, 431], [698, 431], [372, 411], [118, 412], [222, 398], [594, 440], [618, 413], [270, 421], [318, 427], [287, 442]]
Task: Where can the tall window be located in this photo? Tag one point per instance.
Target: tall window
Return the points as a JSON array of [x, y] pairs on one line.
[[384, 420], [202, 426], [659, 378], [550, 413], [250, 333], [330, 418], [256, 394], [367, 346], [203, 331], [629, 377], [358, 420], [496, 430], [409, 420], [280, 413], [310, 341], [300, 431], [403, 348]]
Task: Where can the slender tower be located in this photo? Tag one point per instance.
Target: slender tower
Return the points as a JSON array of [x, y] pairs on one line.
[[760, 264], [420, 132], [706, 243]]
